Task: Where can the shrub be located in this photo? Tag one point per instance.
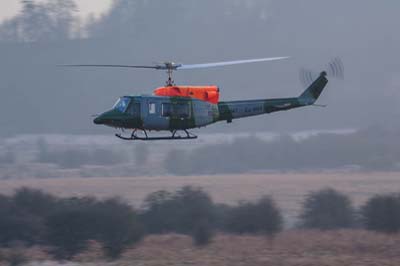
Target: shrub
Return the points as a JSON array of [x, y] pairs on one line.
[[159, 215], [34, 201], [17, 225], [382, 213], [327, 209], [187, 211], [202, 233], [69, 229], [193, 206], [262, 216], [118, 226], [111, 222], [222, 213]]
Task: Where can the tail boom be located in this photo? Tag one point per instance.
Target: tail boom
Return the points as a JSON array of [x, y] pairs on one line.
[[238, 109]]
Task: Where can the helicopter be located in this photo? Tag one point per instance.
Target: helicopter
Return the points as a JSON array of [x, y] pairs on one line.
[[178, 109]]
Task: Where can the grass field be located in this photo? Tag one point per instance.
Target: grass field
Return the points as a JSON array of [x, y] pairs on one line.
[[290, 248], [287, 189]]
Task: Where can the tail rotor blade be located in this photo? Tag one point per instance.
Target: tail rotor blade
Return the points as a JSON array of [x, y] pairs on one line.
[[307, 77], [334, 69]]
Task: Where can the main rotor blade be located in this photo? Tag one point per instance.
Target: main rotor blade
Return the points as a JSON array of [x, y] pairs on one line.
[[117, 66], [227, 63], [175, 66]]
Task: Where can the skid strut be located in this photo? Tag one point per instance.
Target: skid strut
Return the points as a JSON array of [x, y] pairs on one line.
[[174, 136]]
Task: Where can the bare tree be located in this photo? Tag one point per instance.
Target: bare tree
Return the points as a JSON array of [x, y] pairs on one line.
[[9, 30], [63, 18], [34, 21], [38, 22]]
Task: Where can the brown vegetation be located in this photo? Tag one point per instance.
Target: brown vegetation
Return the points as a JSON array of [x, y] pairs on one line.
[[345, 247], [290, 248]]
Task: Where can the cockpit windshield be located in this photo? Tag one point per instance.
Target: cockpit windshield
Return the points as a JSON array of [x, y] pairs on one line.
[[122, 104]]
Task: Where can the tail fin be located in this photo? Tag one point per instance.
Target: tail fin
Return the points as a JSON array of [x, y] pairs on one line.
[[311, 94]]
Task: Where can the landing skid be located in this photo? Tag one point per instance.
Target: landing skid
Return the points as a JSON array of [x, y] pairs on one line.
[[174, 136]]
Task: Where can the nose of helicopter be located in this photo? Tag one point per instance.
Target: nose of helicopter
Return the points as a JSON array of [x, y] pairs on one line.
[[110, 118], [98, 120], [101, 119], [107, 118]]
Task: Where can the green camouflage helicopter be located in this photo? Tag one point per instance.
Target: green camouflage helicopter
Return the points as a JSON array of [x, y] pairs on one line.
[[181, 108]]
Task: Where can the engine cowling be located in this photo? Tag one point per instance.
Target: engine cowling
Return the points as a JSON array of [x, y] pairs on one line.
[[204, 93]]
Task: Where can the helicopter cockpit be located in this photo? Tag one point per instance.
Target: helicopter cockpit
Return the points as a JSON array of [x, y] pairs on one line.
[[127, 105], [122, 104]]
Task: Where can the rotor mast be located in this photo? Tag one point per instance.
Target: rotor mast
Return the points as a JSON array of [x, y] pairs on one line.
[[170, 67], [170, 81]]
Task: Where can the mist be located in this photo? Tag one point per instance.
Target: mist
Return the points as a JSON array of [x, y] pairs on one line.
[[373, 149]]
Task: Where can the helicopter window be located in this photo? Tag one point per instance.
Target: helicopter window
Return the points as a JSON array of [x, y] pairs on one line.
[[166, 109], [152, 108], [181, 110], [122, 104], [134, 109]]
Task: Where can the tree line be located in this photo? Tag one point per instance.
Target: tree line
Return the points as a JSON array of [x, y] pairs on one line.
[[54, 20], [65, 225], [367, 149], [51, 20]]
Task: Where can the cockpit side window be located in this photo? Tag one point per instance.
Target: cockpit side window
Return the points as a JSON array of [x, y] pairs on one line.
[[122, 104]]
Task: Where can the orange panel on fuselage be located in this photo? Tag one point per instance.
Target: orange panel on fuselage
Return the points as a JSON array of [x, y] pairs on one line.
[[204, 93]]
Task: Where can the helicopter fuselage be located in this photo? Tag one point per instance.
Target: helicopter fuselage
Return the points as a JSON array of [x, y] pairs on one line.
[[182, 113]]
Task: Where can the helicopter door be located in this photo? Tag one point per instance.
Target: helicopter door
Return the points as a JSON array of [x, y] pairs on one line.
[[134, 110], [178, 113], [153, 118]]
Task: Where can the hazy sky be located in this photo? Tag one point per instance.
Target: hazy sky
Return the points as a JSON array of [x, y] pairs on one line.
[[9, 8], [365, 39]]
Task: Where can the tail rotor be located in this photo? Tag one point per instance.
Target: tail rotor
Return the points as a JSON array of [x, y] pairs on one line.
[[334, 69]]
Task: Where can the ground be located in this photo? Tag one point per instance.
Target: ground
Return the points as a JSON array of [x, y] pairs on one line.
[[290, 248]]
